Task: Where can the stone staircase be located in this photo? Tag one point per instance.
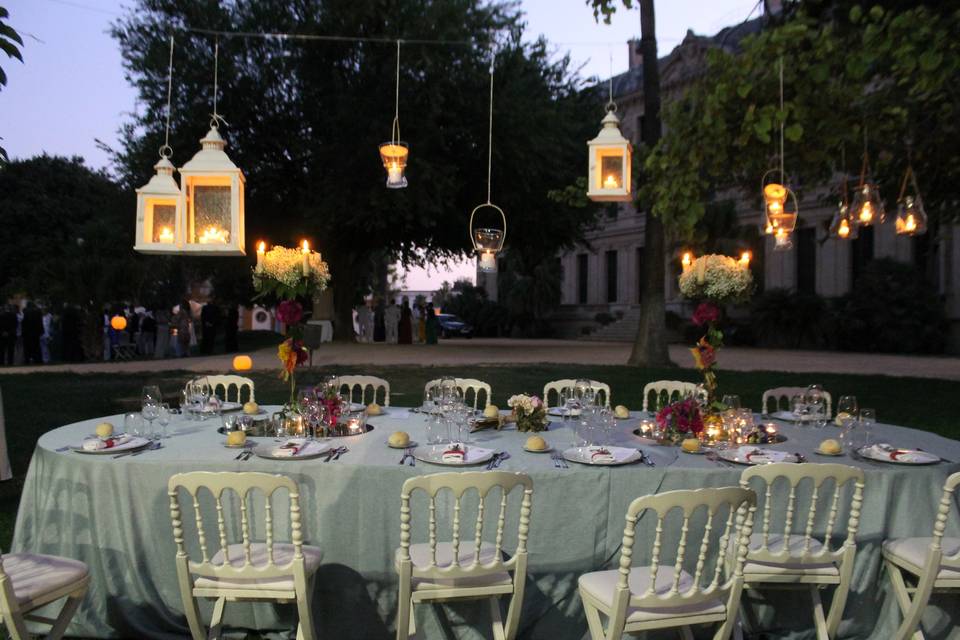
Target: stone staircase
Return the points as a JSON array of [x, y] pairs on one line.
[[622, 330]]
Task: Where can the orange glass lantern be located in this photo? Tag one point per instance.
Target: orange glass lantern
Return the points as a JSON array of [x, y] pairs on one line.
[[779, 219], [118, 323], [911, 216], [242, 363]]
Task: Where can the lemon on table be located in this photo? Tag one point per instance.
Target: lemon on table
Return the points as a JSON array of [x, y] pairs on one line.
[[621, 412], [841, 417], [399, 439], [104, 430], [251, 408], [830, 446], [491, 411], [236, 438], [373, 409], [691, 445], [536, 443]]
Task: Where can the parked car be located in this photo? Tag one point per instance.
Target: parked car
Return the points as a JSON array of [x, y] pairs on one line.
[[451, 326]]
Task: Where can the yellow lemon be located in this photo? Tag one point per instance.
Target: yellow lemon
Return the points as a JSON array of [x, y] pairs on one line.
[[236, 438], [621, 411], [690, 444], [251, 408], [399, 439], [373, 409], [843, 415], [830, 446], [104, 430], [491, 411], [536, 443]]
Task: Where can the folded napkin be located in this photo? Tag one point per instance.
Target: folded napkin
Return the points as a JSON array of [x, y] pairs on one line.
[[95, 444], [456, 453], [761, 456], [905, 455], [289, 449], [601, 454]]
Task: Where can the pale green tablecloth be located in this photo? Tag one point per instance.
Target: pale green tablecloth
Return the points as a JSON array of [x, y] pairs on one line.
[[113, 515]]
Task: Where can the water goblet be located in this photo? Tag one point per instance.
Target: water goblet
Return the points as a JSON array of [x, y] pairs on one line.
[[163, 417], [848, 405], [818, 411], [798, 408], [731, 401], [150, 411], [868, 417], [133, 424]]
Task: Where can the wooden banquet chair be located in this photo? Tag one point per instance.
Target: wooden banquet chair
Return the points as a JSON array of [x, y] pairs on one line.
[[558, 386], [29, 581], [781, 394], [674, 389], [662, 595], [361, 384], [794, 556], [244, 570], [225, 384], [932, 563], [463, 568], [466, 385]]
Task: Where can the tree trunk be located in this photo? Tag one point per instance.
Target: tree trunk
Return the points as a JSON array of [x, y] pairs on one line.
[[650, 345]]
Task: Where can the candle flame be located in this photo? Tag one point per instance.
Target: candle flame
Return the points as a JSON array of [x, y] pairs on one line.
[[844, 229], [745, 259], [611, 182], [166, 234], [305, 246], [910, 224], [213, 235], [866, 212], [261, 247]]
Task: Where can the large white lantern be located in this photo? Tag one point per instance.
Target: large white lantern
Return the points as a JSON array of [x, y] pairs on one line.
[[609, 163], [212, 200], [159, 212]]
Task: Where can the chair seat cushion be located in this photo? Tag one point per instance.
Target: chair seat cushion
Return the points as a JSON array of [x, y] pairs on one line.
[[795, 544], [282, 555], [602, 586], [912, 552], [420, 557], [34, 575]]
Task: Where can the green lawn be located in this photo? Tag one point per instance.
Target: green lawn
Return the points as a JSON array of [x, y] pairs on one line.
[[36, 403]]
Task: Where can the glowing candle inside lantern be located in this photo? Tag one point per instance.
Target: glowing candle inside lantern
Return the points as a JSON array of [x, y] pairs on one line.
[[844, 229], [745, 259], [213, 235], [910, 224], [866, 213], [488, 261], [775, 207], [394, 173], [611, 182], [261, 251], [306, 258], [166, 234], [768, 229], [686, 261]]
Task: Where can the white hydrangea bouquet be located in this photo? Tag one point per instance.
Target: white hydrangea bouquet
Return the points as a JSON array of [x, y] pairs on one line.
[[529, 412], [719, 279], [290, 273]]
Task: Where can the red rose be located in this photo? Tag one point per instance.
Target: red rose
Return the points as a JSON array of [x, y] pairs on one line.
[[302, 353], [706, 313], [289, 312]]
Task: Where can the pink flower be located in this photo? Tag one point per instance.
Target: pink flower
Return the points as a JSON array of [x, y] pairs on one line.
[[289, 312], [706, 313]]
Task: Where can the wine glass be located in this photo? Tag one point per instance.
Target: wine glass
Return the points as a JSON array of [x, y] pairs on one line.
[[133, 424], [732, 401], [150, 411], [847, 405], [817, 407], [798, 407], [868, 417], [163, 417], [607, 425]]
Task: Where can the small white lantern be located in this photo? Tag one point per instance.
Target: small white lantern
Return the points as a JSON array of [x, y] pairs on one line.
[[212, 200], [867, 205], [159, 212], [488, 241], [609, 178]]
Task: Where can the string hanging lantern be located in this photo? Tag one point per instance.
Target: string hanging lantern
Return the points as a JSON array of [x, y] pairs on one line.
[[867, 204], [778, 219], [609, 158], [843, 226], [159, 202], [911, 216], [488, 241], [394, 154], [213, 191]]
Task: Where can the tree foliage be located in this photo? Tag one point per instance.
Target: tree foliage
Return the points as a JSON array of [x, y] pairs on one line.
[[10, 44], [306, 118]]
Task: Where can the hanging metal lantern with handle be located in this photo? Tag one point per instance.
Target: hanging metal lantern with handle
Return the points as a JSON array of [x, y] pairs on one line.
[[842, 225], [867, 205], [487, 241], [394, 154], [610, 158], [159, 211], [778, 219], [911, 216]]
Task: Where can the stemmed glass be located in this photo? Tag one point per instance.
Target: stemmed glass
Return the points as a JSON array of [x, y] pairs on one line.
[[150, 407], [847, 405], [817, 409], [868, 417], [732, 402], [607, 423], [163, 417]]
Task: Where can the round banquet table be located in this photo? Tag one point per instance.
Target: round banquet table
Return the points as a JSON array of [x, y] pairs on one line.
[[113, 514]]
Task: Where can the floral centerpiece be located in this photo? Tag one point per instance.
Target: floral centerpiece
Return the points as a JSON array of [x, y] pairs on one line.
[[287, 274], [679, 420], [714, 280], [529, 412]]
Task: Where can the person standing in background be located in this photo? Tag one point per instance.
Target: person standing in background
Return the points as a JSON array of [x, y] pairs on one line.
[[405, 335], [8, 334], [391, 322], [210, 322], [422, 323], [46, 321], [148, 334], [71, 348], [184, 325], [231, 328], [379, 324], [31, 328], [162, 345], [431, 328]]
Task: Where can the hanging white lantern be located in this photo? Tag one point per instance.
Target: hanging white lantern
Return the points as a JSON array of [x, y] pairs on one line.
[[212, 200], [911, 216], [488, 241], [159, 212], [609, 178]]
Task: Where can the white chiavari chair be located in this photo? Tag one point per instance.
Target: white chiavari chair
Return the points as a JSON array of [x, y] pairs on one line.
[[672, 389], [228, 387], [556, 387], [781, 397], [362, 385], [29, 581], [470, 387]]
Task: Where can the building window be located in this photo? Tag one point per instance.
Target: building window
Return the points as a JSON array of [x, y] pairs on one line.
[[611, 259], [807, 260], [639, 274], [582, 278], [862, 252]]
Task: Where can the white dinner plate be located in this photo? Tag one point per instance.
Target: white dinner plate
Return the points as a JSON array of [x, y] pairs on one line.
[[133, 443], [894, 455], [622, 455], [434, 455], [560, 412], [311, 450], [750, 455], [788, 416]]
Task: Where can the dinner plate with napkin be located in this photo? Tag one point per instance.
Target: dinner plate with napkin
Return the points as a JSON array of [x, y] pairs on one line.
[[292, 449], [113, 444], [602, 455]]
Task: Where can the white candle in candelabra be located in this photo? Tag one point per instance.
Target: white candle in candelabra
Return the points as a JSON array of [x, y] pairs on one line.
[[306, 258], [261, 251]]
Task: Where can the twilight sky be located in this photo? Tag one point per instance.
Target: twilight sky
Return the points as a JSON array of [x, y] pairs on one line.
[[71, 89]]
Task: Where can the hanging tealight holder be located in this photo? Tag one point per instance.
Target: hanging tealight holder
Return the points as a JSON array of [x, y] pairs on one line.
[[488, 241], [394, 154]]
